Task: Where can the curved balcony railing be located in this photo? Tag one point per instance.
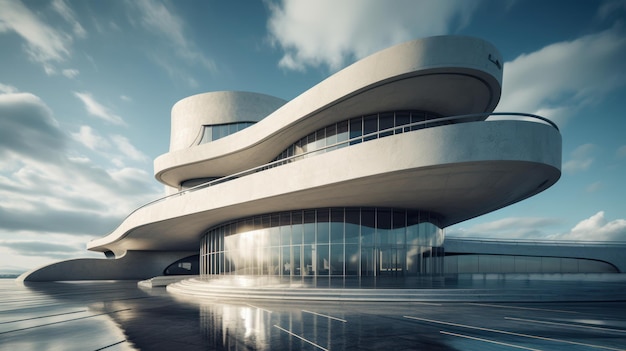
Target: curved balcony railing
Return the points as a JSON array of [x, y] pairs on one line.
[[436, 122]]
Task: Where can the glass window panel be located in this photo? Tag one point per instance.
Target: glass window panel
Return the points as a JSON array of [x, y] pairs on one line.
[[274, 259], [304, 145], [352, 229], [368, 261], [207, 135], [368, 225], [398, 223], [286, 261], [356, 129], [285, 235], [234, 128], [352, 259], [417, 117], [274, 234], [342, 131], [323, 227], [296, 236], [331, 134], [336, 226], [370, 125], [311, 146], [309, 227], [336, 259], [383, 225], [323, 259], [386, 121], [295, 254], [402, 118], [216, 132], [307, 260], [320, 139]]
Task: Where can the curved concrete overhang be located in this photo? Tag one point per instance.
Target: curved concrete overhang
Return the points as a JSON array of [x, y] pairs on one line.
[[456, 171], [133, 265], [447, 75]]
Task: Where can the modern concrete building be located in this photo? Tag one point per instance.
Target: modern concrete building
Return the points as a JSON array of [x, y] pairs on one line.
[[357, 177]]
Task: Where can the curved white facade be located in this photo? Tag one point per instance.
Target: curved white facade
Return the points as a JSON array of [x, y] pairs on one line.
[[451, 164]]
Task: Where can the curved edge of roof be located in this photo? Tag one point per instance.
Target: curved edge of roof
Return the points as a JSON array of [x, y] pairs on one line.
[[360, 88]]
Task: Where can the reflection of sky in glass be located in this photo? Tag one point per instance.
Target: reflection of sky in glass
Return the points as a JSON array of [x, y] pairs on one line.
[[325, 242], [245, 250]]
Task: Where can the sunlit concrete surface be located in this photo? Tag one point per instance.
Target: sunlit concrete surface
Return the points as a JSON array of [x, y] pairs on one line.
[[121, 316]]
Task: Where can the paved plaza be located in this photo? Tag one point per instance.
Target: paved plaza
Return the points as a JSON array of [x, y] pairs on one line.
[[121, 316]]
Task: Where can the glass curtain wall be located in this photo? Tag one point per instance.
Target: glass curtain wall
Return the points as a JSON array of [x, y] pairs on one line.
[[326, 242], [215, 132], [357, 130]]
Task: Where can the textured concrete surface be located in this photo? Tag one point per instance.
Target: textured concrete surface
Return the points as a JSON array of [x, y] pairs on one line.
[[120, 316]]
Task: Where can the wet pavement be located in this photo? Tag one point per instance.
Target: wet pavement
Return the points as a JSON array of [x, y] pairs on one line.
[[121, 316]]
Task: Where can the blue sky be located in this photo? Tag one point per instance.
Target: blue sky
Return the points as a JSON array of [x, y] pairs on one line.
[[86, 89]]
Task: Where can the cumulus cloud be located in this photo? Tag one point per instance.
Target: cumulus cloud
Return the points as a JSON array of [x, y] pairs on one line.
[[111, 147], [47, 190], [98, 110], [596, 228], [507, 228], [27, 127], [580, 159], [330, 33], [560, 78]]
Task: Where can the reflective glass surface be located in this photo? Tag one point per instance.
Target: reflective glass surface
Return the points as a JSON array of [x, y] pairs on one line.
[[215, 132], [358, 129], [326, 242]]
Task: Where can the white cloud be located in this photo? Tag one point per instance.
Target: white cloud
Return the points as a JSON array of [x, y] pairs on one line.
[[124, 146], [330, 33], [125, 98], [7, 89], [596, 228], [44, 44], [68, 15], [111, 147], [157, 18], [70, 73], [581, 159], [506, 228], [47, 191], [98, 110], [88, 137], [562, 77]]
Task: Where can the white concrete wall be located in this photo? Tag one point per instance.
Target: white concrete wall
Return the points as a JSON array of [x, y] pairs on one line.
[[458, 171], [134, 265], [191, 113], [612, 253], [449, 75]]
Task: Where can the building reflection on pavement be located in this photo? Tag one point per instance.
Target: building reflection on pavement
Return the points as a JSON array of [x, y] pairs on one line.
[[120, 316]]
